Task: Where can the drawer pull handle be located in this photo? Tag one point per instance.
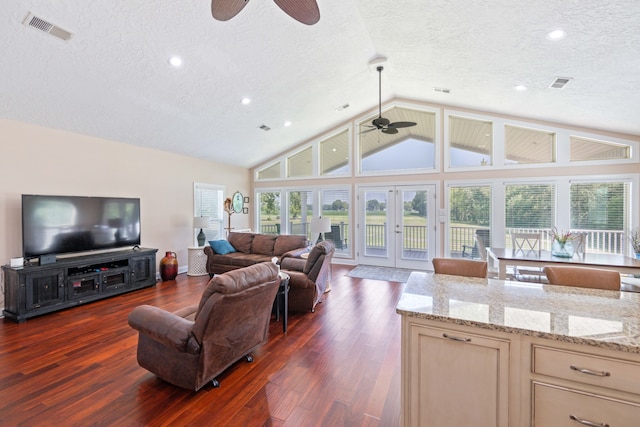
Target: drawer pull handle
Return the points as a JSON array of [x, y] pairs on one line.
[[590, 372], [587, 422], [453, 338]]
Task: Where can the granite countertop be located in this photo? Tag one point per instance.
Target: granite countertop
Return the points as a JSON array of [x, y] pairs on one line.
[[607, 319]]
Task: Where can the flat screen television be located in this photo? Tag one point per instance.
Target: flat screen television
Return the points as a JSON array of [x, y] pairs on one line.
[[67, 224]]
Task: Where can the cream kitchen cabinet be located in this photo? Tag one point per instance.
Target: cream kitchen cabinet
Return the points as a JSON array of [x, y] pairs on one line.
[[454, 376]]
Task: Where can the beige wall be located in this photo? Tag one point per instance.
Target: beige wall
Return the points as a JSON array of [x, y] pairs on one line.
[[38, 160]]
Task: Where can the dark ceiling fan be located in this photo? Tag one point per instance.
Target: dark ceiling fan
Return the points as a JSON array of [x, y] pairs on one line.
[[380, 123], [305, 11]]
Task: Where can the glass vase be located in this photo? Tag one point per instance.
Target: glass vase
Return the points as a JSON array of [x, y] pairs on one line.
[[562, 250]]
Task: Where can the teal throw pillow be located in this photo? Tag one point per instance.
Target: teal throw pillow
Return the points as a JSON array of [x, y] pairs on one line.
[[221, 247]]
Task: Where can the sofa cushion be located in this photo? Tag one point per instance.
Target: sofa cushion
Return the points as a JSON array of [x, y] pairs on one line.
[[288, 242], [221, 247], [241, 241], [262, 244]]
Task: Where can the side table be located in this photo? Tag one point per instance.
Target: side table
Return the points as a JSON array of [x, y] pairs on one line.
[[197, 261], [282, 300]]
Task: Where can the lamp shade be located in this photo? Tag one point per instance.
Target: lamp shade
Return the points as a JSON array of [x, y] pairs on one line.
[[320, 225], [201, 222]]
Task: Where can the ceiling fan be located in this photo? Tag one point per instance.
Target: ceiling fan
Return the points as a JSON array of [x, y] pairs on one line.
[[304, 11], [380, 123]]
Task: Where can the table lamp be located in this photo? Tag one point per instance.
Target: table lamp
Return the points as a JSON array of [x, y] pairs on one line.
[[201, 222], [320, 225]]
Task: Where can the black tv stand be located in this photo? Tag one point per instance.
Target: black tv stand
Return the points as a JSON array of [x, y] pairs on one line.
[[39, 289]]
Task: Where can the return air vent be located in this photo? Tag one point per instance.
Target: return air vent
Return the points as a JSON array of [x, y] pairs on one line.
[[40, 24], [264, 127], [560, 82]]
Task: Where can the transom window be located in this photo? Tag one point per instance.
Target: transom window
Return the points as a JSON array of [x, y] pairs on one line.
[[334, 154], [299, 164], [270, 172], [583, 149], [410, 148], [470, 142], [524, 145]]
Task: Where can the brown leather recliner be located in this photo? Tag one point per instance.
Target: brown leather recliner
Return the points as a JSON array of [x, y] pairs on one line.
[[192, 346], [310, 278], [460, 267]]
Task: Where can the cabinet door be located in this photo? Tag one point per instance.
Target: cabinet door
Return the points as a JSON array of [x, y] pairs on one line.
[[143, 269], [44, 289], [457, 379]]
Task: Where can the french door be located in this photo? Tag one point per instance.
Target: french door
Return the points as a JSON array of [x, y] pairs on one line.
[[397, 226]]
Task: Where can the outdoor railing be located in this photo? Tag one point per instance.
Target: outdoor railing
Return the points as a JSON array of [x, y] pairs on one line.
[[597, 241], [415, 237]]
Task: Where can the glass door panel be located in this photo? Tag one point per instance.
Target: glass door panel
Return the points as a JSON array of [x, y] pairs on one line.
[[397, 226]]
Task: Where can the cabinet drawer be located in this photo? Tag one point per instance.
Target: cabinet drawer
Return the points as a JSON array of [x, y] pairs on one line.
[[584, 368], [560, 407]]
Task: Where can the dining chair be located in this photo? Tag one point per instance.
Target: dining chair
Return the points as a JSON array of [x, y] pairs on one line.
[[460, 267], [595, 278], [482, 240], [476, 251], [527, 244], [579, 242]]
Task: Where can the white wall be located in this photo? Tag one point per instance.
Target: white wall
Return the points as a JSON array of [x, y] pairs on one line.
[[38, 160]]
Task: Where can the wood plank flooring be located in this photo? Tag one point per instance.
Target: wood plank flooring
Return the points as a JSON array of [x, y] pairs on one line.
[[339, 366]]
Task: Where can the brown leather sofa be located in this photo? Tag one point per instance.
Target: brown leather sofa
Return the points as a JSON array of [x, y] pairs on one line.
[[460, 267], [309, 278], [192, 346], [253, 248]]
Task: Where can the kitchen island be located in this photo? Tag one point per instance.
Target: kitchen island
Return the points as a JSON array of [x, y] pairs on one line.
[[487, 352]]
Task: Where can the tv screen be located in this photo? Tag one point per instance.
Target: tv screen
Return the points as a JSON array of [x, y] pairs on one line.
[[64, 224]]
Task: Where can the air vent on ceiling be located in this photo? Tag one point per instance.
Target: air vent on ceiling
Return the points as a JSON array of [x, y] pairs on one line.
[[560, 82], [40, 24], [442, 89], [264, 127]]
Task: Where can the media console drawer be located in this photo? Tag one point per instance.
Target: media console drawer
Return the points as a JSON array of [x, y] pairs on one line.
[[585, 368]]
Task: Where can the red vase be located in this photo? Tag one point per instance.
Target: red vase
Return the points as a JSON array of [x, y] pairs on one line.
[[169, 266]]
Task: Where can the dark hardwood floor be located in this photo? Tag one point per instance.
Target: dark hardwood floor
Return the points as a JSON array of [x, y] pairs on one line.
[[339, 366]]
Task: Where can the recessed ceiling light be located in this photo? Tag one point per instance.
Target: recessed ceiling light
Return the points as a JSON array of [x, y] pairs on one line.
[[287, 123], [520, 88], [175, 61], [246, 101], [556, 34]]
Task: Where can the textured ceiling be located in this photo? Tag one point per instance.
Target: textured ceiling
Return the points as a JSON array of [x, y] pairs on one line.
[[112, 79]]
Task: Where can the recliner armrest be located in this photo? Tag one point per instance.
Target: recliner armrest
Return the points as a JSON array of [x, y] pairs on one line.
[[160, 325], [295, 253], [295, 264]]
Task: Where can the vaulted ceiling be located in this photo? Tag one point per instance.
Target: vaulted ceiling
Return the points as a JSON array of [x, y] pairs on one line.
[[112, 78]]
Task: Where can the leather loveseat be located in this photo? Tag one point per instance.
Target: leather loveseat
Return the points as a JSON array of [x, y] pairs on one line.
[[253, 248], [192, 346]]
